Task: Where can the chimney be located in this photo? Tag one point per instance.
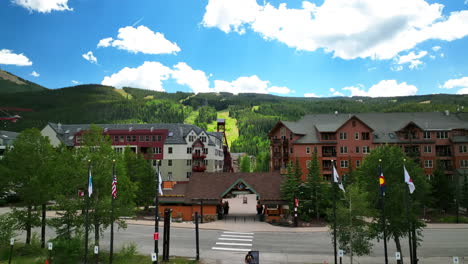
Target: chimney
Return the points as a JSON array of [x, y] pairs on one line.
[[59, 127], [447, 112]]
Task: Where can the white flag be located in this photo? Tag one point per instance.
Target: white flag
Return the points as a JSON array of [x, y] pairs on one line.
[[160, 183], [90, 184], [336, 178], [409, 181]]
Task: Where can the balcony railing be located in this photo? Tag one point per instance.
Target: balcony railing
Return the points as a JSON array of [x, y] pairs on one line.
[[200, 168], [198, 155], [444, 154], [329, 154]]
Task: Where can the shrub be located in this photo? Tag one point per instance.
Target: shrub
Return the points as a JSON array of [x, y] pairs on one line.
[[7, 224]]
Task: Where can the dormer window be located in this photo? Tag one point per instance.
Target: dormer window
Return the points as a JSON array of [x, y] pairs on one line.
[[191, 138], [203, 139]]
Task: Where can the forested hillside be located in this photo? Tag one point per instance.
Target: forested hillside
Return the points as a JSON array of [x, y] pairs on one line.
[[10, 83], [253, 114]]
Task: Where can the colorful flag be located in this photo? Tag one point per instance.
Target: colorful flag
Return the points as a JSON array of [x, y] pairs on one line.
[[382, 182], [337, 179], [114, 186], [409, 181], [90, 184], [160, 183]]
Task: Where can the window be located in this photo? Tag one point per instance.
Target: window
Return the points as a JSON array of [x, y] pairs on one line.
[[116, 138], [357, 150], [428, 164], [142, 138], [169, 150], [442, 134], [356, 136], [169, 162], [344, 164], [343, 135], [365, 136], [307, 150], [189, 174], [429, 176], [133, 138], [153, 138], [343, 149], [205, 162], [426, 134], [189, 150], [463, 148], [157, 150], [129, 138], [189, 162], [291, 136], [147, 138], [291, 150], [169, 175], [365, 149], [159, 137], [191, 138], [121, 139], [118, 150], [427, 149], [358, 163], [463, 163], [205, 150], [203, 139]]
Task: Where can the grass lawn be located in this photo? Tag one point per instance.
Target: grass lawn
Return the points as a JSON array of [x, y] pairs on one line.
[[232, 132], [123, 93]]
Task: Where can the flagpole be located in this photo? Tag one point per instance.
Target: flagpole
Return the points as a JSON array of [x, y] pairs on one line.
[[407, 201], [382, 200], [334, 211], [156, 218], [87, 216], [111, 253]]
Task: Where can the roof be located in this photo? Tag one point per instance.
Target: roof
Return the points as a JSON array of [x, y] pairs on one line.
[[8, 136], [177, 132], [174, 195], [383, 125], [211, 186]]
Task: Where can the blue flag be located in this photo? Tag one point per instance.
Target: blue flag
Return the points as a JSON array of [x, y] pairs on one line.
[[90, 184]]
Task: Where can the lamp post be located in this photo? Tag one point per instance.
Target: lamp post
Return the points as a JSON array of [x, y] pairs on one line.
[[156, 216]]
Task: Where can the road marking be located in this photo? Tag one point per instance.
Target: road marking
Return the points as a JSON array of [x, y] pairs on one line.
[[235, 239], [237, 236], [231, 249], [233, 244], [239, 233]]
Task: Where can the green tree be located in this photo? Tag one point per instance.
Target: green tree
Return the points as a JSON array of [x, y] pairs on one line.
[[30, 175], [245, 164], [396, 191], [97, 151], [315, 188], [262, 163], [290, 186], [442, 189]]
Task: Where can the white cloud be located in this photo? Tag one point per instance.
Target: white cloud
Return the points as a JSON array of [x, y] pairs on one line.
[[34, 74], [89, 56], [412, 59], [140, 39], [44, 6], [147, 76], [311, 95], [105, 42], [151, 75], [461, 84], [385, 88], [195, 79], [9, 58], [335, 92], [75, 82], [347, 28], [396, 68], [436, 48]]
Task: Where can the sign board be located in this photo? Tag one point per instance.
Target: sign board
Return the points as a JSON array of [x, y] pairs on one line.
[[156, 236], [154, 257], [397, 255], [81, 193], [456, 260], [296, 202], [340, 253], [49, 245], [12, 241], [96, 250]]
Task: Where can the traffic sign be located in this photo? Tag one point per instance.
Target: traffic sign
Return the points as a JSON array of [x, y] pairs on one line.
[[12, 241], [154, 257], [96, 250], [156, 236], [340, 253], [397, 255], [456, 260], [49, 245]]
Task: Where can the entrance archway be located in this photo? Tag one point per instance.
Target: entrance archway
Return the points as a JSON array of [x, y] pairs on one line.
[[242, 200]]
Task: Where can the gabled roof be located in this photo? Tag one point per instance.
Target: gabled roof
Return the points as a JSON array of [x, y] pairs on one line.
[[176, 135], [384, 125], [8, 137]]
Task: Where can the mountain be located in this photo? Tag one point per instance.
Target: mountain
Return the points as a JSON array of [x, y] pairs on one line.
[[10, 83]]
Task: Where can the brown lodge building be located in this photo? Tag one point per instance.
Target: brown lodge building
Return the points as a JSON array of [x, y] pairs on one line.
[[348, 138], [207, 190]]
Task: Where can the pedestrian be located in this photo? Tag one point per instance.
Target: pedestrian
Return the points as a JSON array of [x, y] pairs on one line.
[[249, 259], [226, 207], [259, 208]]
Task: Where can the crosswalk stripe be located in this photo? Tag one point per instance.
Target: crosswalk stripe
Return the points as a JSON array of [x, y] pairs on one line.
[[239, 233], [233, 244], [235, 239], [231, 249], [237, 236]]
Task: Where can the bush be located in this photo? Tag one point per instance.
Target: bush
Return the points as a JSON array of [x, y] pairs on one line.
[[7, 224], [128, 250], [68, 250]]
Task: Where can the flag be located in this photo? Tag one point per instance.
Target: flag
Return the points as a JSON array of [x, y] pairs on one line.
[[160, 183], [382, 182], [114, 186], [337, 179], [409, 181], [90, 184]]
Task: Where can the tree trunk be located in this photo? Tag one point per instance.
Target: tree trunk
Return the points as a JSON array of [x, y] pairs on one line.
[[28, 225], [43, 226], [398, 248]]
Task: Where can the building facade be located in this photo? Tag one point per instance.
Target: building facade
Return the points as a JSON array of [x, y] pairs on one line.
[[348, 138], [6, 141], [181, 148]]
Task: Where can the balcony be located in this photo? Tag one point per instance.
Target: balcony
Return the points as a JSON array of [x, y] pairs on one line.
[[198, 156], [199, 168], [329, 154], [277, 155], [279, 142]]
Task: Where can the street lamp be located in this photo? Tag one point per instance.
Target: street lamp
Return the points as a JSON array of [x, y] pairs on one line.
[[156, 218]]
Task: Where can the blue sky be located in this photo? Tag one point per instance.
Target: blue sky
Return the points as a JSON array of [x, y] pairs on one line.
[[290, 48]]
